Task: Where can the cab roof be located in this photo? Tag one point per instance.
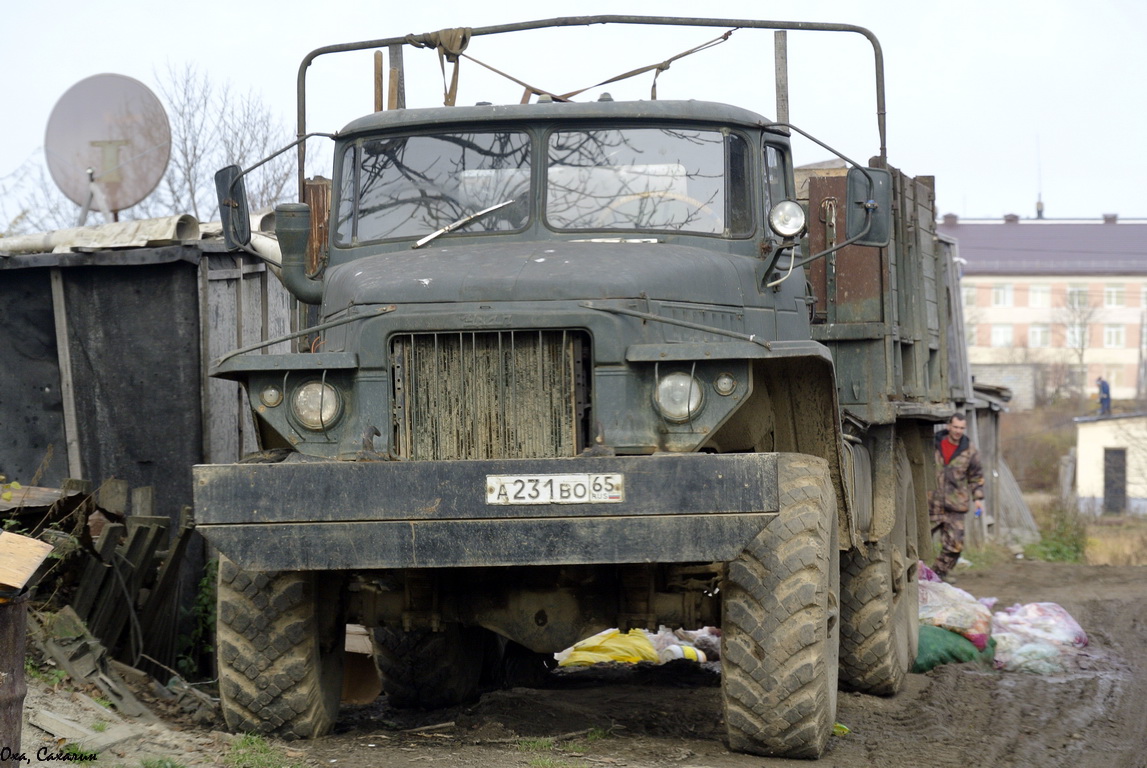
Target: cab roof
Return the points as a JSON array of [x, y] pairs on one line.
[[439, 117]]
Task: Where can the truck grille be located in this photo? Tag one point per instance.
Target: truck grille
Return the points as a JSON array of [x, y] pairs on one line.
[[490, 395]]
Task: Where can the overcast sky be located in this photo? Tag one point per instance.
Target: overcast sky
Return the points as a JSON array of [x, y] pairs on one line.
[[1001, 100]]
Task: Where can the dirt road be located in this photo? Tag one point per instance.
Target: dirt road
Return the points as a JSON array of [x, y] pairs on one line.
[[953, 716], [1095, 717]]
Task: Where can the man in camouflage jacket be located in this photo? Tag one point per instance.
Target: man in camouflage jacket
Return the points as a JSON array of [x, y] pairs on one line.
[[959, 485]]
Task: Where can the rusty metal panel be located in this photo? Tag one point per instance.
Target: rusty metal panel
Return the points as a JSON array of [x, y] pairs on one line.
[[855, 278]]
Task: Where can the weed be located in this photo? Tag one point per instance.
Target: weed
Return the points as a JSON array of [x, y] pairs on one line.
[[201, 640], [161, 762], [594, 734], [105, 703], [536, 745], [1063, 535], [99, 726], [251, 751], [48, 675]]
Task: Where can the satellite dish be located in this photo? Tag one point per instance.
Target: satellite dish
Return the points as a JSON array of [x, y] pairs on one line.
[[108, 142]]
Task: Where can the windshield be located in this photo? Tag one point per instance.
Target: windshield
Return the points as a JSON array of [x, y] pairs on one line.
[[649, 178], [411, 186]]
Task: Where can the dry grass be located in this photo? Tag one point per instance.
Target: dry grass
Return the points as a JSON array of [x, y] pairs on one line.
[[1117, 540], [1107, 539]]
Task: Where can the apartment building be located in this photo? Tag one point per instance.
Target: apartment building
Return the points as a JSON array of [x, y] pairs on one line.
[[1052, 304]]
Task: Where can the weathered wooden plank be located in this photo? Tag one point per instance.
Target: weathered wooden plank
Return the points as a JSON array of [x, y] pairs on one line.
[[133, 560], [97, 571], [20, 556], [67, 384], [113, 496], [143, 501]]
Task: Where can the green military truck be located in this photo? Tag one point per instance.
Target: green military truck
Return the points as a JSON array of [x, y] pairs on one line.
[[573, 366]]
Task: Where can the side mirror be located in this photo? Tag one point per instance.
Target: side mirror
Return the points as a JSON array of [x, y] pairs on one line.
[[232, 191], [869, 196]]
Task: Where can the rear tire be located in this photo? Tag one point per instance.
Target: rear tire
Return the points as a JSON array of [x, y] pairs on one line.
[[780, 619], [879, 608], [431, 670], [280, 639]]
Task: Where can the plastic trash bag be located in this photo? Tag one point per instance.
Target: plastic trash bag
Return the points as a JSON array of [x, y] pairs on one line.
[[1037, 637], [660, 647], [940, 646], [609, 645], [924, 573], [945, 606], [1041, 622], [1015, 654]]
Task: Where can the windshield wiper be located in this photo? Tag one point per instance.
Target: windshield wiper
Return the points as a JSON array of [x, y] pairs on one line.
[[461, 222]]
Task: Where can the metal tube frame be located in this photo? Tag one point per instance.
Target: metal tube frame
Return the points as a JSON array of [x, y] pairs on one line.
[[427, 39]]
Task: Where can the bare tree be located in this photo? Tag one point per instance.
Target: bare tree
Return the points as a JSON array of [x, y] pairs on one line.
[[31, 202], [1076, 314], [210, 127]]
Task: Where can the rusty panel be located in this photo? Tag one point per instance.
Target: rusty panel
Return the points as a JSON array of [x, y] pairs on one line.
[[854, 279]]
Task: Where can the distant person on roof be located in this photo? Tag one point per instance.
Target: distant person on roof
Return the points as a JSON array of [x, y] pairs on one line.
[[1104, 396]]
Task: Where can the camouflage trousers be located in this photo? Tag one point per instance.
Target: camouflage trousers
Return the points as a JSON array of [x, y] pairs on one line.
[[951, 528]]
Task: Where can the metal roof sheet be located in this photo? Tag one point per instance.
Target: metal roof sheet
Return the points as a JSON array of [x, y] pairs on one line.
[[1043, 247]]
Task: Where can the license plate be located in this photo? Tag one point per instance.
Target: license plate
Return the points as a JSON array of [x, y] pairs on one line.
[[606, 488]]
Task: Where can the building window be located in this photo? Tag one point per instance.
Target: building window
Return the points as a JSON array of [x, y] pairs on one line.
[[1002, 335], [1039, 335], [1113, 296], [1076, 336], [970, 334], [1002, 295], [1077, 297], [969, 294], [1113, 337], [1039, 296]]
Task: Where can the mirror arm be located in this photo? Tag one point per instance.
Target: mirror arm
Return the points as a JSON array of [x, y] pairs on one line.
[[278, 152], [869, 207]]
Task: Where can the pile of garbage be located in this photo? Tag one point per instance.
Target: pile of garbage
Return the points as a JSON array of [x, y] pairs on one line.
[[637, 645], [955, 627], [1040, 638]]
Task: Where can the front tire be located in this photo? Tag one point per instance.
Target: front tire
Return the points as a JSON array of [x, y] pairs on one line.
[[780, 622], [280, 638]]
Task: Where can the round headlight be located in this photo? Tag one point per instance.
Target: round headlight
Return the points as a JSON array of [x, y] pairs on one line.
[[787, 218], [725, 384], [316, 405], [679, 397], [271, 396]]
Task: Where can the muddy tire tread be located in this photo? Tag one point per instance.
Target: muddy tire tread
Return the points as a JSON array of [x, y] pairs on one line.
[[778, 667], [270, 676]]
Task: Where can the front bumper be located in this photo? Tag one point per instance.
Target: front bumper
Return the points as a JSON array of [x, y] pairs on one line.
[[334, 515]]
